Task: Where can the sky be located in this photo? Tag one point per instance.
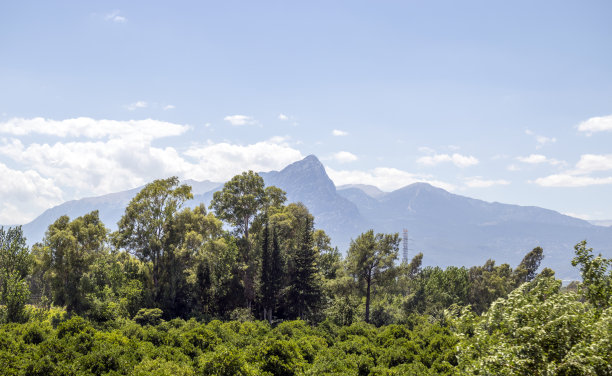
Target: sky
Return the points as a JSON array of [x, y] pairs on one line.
[[501, 101]]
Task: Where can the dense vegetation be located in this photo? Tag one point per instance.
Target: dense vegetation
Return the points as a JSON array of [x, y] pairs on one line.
[[252, 288]]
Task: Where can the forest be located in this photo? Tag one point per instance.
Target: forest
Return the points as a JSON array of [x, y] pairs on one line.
[[249, 286]]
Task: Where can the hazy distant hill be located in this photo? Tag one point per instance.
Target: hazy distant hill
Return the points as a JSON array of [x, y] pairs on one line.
[[449, 229], [456, 230]]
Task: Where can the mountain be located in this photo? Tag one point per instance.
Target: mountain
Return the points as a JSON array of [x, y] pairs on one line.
[[456, 230], [449, 229], [306, 181]]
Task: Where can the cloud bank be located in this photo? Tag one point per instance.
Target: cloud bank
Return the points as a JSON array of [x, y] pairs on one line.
[[84, 157]]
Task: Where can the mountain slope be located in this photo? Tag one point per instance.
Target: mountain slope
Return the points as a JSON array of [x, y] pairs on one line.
[[456, 230], [306, 181]]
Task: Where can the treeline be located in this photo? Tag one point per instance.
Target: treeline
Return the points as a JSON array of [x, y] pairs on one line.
[[272, 264], [539, 329], [212, 291]]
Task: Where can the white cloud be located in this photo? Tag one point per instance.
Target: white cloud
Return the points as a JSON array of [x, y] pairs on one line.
[[593, 162], [87, 168], [579, 176], [169, 107], [568, 180], [115, 17], [283, 117], [240, 120], [92, 128], [541, 140], [337, 132], [596, 124], [25, 194], [513, 167], [539, 159], [456, 159], [385, 178], [344, 157], [115, 156], [221, 161], [479, 182], [136, 105]]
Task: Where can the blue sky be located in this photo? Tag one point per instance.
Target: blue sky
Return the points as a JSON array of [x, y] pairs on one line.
[[503, 101]]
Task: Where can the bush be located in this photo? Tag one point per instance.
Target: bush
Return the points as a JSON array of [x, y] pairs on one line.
[[161, 367], [148, 316], [224, 361]]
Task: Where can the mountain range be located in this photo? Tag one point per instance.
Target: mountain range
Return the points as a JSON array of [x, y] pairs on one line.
[[449, 229]]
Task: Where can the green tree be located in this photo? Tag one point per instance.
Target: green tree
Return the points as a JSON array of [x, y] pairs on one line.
[[328, 257], [145, 227], [526, 271], [15, 267], [596, 275], [436, 289], [271, 272], [115, 283], [488, 283], [305, 292], [371, 259], [536, 330], [14, 254], [240, 201], [70, 248]]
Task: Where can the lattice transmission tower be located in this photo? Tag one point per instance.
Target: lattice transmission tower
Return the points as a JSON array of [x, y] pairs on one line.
[[405, 246]]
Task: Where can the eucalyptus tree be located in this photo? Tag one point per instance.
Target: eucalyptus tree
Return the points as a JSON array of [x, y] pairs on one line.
[[145, 228], [69, 250]]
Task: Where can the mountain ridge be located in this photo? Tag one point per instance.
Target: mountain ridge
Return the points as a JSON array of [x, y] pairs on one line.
[[449, 229]]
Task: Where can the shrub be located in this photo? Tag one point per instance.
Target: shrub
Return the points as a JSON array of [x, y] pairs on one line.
[[148, 316]]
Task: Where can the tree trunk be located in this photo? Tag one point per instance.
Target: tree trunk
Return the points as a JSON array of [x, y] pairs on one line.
[[367, 311]]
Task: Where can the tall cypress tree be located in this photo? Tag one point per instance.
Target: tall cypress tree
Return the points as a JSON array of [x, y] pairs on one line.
[[305, 290], [266, 288], [271, 272]]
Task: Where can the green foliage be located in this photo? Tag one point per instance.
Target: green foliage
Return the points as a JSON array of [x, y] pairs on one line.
[[537, 330], [596, 275], [371, 260], [144, 229], [241, 198], [68, 251], [14, 254], [153, 305], [148, 316], [162, 367], [488, 283], [305, 292], [224, 361], [526, 271], [280, 357], [435, 289], [15, 266], [15, 294]]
